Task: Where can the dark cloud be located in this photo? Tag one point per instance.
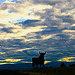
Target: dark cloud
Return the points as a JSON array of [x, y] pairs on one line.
[[72, 28], [7, 30], [63, 36], [3, 6], [50, 30], [11, 47], [60, 45], [50, 2], [28, 23], [68, 19]]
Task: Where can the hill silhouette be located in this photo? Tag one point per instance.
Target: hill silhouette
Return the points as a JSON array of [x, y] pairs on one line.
[[41, 71], [23, 66]]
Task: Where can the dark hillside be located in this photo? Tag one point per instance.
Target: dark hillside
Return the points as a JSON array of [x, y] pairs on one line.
[[42, 71]]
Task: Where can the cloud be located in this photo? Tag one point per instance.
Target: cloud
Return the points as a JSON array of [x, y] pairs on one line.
[[68, 19], [29, 26], [9, 61], [20, 11], [24, 49], [45, 37], [47, 62], [68, 30], [2, 53], [8, 30], [51, 2], [16, 33], [67, 59]]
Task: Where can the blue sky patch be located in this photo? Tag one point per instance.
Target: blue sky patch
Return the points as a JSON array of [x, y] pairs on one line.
[[1, 1], [11, 12], [9, 21], [12, 0], [19, 20]]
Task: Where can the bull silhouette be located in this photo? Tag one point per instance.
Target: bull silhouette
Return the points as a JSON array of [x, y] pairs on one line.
[[39, 60]]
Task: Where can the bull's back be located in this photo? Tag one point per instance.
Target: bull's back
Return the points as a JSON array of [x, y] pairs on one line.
[[37, 61]]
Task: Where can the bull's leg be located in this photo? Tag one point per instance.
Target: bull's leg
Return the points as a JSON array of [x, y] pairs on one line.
[[33, 65], [36, 66], [40, 65], [43, 65]]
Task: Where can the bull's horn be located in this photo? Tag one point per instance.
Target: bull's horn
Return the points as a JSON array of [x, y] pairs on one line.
[[45, 52], [39, 51]]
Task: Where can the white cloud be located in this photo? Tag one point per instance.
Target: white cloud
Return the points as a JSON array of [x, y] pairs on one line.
[[45, 37], [17, 33]]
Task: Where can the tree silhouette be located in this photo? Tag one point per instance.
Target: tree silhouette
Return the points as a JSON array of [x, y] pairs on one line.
[[63, 65]]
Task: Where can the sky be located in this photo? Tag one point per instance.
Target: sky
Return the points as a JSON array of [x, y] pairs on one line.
[[30, 26]]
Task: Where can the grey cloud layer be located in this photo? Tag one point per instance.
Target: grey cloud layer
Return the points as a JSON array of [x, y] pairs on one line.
[[59, 21]]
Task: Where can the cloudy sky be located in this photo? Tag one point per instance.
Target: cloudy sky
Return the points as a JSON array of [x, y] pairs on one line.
[[30, 26]]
